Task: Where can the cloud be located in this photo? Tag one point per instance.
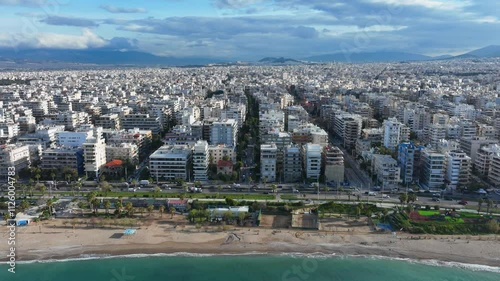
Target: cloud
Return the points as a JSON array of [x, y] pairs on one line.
[[304, 32], [23, 2], [69, 21], [86, 40], [121, 10], [235, 4]]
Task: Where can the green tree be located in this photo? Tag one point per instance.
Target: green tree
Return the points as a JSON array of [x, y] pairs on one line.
[[105, 187], [162, 209], [227, 216], [479, 204], [24, 205], [118, 207], [42, 188], [95, 205], [129, 208], [107, 205], [150, 209], [156, 191], [489, 204], [172, 212], [403, 198]]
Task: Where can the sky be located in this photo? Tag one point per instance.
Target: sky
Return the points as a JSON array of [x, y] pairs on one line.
[[252, 29]]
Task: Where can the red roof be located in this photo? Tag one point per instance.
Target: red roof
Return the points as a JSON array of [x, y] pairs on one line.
[[224, 163], [114, 163], [177, 201]]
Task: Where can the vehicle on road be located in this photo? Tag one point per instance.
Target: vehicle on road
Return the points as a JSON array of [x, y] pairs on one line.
[[385, 196], [371, 193], [144, 182], [463, 202], [435, 199]]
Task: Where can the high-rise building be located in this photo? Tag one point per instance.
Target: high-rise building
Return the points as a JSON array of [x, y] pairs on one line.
[[395, 132], [268, 158], [386, 169], [458, 169], [200, 161], [292, 164], [171, 162], [224, 132], [311, 155], [433, 169], [406, 161], [94, 151], [334, 164]]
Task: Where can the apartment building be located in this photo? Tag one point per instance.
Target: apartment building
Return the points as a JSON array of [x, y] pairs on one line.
[[395, 132], [63, 157], [94, 151], [123, 151], [292, 164], [433, 169], [406, 161], [268, 160], [458, 169], [311, 156], [334, 164], [200, 161], [171, 162], [108, 121], [386, 170], [142, 122], [224, 132], [220, 152], [13, 155]]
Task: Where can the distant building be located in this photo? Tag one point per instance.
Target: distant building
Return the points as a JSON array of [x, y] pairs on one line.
[[433, 169]]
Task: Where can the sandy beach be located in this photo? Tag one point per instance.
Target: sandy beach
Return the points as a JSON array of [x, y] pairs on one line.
[[56, 240]]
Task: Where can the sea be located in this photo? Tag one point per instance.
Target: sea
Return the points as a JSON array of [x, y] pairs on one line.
[[251, 267]]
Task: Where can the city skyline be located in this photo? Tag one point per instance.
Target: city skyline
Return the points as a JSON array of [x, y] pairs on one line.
[[251, 29]]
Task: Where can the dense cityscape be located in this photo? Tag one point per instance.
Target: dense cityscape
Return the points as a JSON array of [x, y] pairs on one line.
[[336, 148]]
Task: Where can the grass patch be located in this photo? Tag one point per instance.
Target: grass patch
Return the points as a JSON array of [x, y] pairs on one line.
[[288, 197], [428, 213]]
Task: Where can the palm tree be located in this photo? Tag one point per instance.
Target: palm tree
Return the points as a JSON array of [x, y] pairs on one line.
[[219, 189], [172, 212], [37, 177], [489, 204], [162, 209], [479, 204], [156, 191], [95, 204], [129, 208], [107, 205], [90, 198], [6, 216], [134, 182], [24, 205], [403, 198], [412, 197], [150, 209], [274, 188], [118, 207], [49, 206], [42, 188]]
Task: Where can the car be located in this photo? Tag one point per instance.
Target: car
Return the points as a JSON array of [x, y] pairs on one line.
[[385, 196], [280, 186], [436, 195], [296, 191], [463, 202], [435, 199]]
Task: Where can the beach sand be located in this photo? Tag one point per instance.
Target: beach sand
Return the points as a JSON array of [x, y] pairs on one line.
[[53, 240]]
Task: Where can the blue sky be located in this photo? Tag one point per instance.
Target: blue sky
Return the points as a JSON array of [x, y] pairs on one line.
[[251, 29]]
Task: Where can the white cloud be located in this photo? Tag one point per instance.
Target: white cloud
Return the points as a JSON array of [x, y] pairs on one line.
[[23, 2], [430, 4], [86, 40]]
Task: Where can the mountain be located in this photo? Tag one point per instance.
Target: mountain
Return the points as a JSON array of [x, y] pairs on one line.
[[100, 56], [369, 57], [280, 60], [486, 52]]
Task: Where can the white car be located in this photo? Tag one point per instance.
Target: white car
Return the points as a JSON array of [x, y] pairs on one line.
[[385, 196]]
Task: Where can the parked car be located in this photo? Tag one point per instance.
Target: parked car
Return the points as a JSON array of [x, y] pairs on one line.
[[463, 202], [435, 199], [385, 196]]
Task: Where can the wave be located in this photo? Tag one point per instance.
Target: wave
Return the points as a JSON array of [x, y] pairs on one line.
[[317, 255]]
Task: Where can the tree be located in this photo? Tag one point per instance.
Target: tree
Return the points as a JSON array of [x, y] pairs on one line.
[[326, 189], [274, 188], [118, 207], [227, 216], [24, 205], [156, 191], [49, 206], [489, 204], [479, 204], [107, 205], [241, 217], [492, 226], [129, 208], [162, 209], [42, 188], [412, 197], [105, 187], [403, 198], [95, 205], [6, 216], [150, 209], [37, 177], [172, 212]]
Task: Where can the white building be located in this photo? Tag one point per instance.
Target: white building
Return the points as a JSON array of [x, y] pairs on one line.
[[224, 132], [94, 153], [334, 164], [386, 170], [458, 169], [312, 161], [433, 169], [200, 161], [219, 152], [171, 162], [123, 151], [395, 132], [73, 139], [268, 159], [12, 155]]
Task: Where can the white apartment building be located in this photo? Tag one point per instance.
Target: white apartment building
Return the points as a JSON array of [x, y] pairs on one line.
[[268, 160], [472, 145], [123, 151], [311, 155], [224, 132], [494, 173], [72, 139], [395, 132], [458, 169], [94, 152], [386, 170], [108, 121], [13, 155], [484, 157], [348, 127], [433, 169], [200, 161], [142, 122], [171, 162]]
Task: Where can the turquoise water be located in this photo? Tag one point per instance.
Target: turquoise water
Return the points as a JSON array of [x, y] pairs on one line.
[[237, 268]]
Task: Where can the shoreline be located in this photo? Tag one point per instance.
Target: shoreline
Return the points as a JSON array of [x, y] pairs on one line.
[[50, 242]]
